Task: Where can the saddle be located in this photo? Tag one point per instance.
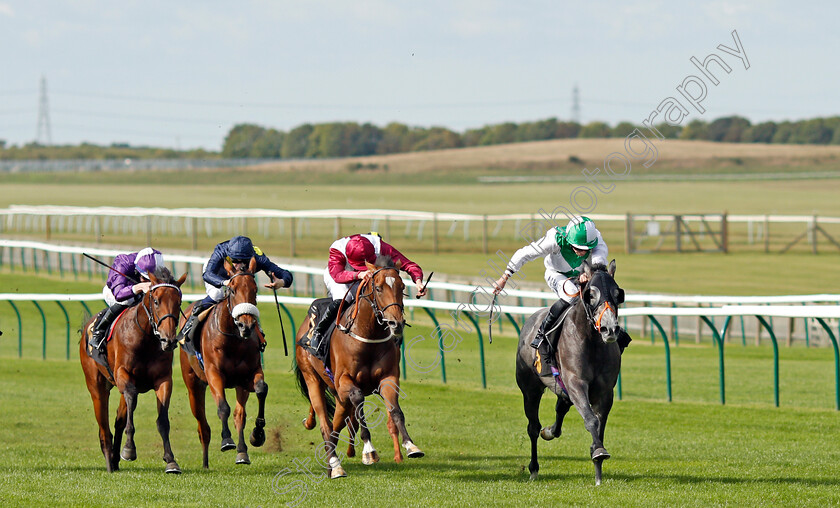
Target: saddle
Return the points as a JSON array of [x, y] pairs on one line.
[[554, 333], [193, 347], [314, 313], [100, 356]]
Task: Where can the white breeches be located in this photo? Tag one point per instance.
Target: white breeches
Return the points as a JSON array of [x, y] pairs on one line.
[[217, 294], [563, 287], [337, 291], [111, 300]]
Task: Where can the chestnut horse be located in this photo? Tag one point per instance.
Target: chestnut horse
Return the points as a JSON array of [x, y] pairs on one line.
[[140, 359], [364, 359], [230, 347]]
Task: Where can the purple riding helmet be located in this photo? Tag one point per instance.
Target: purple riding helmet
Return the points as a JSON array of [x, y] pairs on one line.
[[148, 260]]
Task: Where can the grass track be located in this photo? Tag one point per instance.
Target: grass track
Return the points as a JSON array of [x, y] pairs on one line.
[[690, 452]]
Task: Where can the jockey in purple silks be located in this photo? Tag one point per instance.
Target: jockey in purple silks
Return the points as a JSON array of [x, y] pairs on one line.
[[120, 292]]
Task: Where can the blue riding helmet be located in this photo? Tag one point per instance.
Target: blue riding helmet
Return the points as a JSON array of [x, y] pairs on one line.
[[240, 248]]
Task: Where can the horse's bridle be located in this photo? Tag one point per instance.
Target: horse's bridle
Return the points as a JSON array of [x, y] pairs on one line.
[[150, 311], [378, 313], [596, 323], [230, 294]]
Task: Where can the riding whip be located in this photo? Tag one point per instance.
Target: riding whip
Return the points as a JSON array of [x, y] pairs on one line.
[[490, 325], [426, 284], [282, 330]]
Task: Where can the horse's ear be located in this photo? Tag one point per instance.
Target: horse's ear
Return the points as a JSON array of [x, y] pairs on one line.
[[611, 268], [586, 268], [252, 266], [228, 267], [370, 266], [180, 281], [152, 278], [398, 264]]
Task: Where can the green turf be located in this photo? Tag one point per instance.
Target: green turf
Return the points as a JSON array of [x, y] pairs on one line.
[[692, 451]]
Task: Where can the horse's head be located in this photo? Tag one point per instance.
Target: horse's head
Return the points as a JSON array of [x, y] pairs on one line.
[[602, 296], [242, 297], [387, 294], [162, 302]]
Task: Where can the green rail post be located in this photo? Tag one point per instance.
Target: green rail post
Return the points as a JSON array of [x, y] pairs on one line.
[[35, 260], [620, 392], [291, 320], [47, 262], [514, 323], [44, 327], [20, 328], [87, 308], [716, 338], [22, 260], [480, 347], [667, 354], [402, 360], [67, 320], [769, 329], [73, 267], [60, 266], [440, 344], [836, 362], [743, 333]]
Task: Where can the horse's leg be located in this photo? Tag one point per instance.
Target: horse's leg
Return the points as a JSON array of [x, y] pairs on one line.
[[369, 454], [309, 421], [602, 409], [163, 392], [531, 397], [579, 393], [99, 394], [129, 451], [239, 421], [119, 428], [342, 410], [217, 388], [562, 407], [351, 431], [395, 437], [261, 389], [197, 390], [389, 391]]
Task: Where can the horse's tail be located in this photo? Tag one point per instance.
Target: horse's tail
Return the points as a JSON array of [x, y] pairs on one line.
[[304, 389]]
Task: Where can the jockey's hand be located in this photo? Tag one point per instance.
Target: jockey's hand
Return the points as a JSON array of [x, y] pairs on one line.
[[499, 285], [275, 283], [364, 276], [143, 287], [226, 282], [583, 279], [421, 289]]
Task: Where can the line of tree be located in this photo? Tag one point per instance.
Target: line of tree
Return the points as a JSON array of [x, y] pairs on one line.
[[90, 151], [343, 139]]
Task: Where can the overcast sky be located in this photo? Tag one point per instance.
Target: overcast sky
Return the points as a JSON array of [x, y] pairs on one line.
[[182, 73]]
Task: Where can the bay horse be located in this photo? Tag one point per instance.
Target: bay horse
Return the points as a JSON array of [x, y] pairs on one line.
[[588, 358], [364, 359], [230, 347], [140, 359]]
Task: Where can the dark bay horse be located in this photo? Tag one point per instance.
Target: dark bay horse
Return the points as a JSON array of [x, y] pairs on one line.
[[364, 360], [230, 346], [589, 360], [140, 358]]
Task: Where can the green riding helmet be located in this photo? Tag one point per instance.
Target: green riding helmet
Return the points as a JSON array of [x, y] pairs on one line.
[[582, 234]]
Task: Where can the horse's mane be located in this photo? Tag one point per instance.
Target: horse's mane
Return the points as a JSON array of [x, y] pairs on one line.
[[164, 275], [599, 267], [383, 261]]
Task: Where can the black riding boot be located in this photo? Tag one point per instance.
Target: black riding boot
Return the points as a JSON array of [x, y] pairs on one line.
[[100, 329], [187, 333], [623, 339], [321, 328], [540, 341]]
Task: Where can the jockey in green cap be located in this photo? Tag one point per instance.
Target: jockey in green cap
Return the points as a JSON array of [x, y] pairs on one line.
[[564, 250]]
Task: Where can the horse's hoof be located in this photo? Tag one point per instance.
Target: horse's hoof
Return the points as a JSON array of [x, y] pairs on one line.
[[172, 468], [533, 476], [601, 454], [128, 454], [257, 437], [546, 434], [413, 451], [228, 444], [242, 458], [370, 458], [337, 472]]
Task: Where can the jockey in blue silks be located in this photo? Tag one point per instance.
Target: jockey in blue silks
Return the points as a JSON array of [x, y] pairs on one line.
[[238, 249]]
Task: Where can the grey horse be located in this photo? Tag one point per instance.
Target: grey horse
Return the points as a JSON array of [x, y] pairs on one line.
[[588, 357]]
